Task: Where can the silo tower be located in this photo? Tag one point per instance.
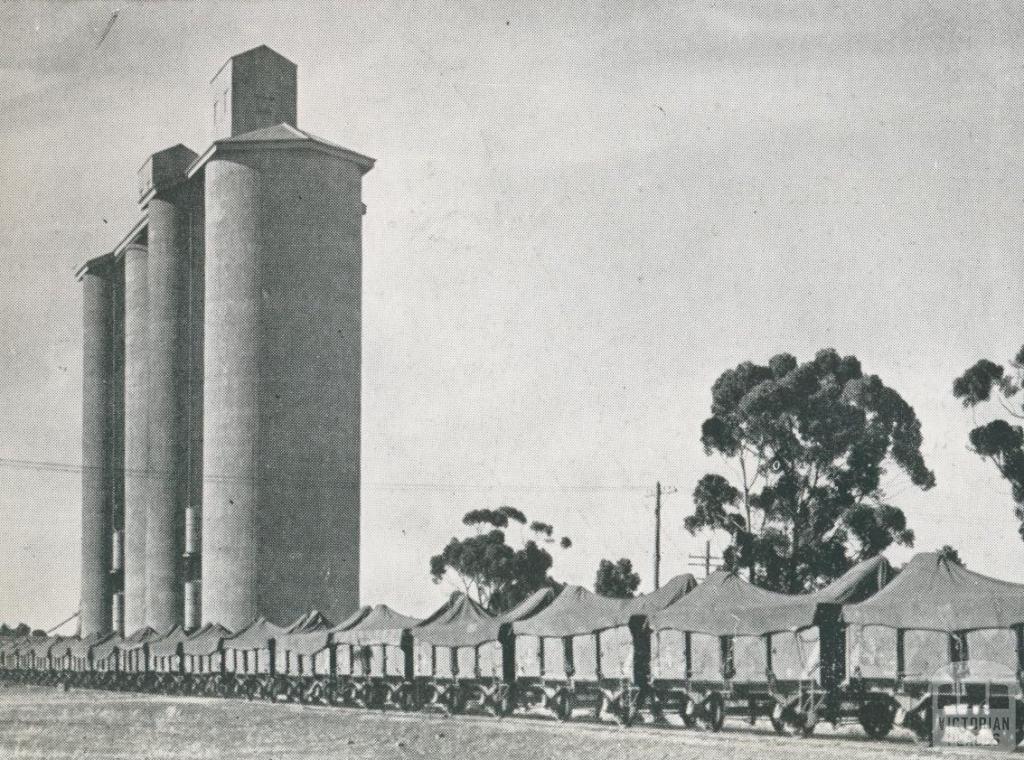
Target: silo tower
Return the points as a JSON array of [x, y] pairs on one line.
[[282, 345], [102, 446], [173, 208]]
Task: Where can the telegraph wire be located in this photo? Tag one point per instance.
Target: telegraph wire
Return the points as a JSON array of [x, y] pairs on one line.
[[41, 465]]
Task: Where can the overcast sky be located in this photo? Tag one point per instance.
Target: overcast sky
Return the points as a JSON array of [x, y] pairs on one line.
[[580, 215]]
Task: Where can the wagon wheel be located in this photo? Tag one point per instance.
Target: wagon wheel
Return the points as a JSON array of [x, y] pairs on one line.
[[807, 724], [457, 703], [561, 705], [686, 712], [409, 701], [618, 707], [714, 712], [629, 708], [506, 702], [920, 724], [876, 717], [1018, 712]]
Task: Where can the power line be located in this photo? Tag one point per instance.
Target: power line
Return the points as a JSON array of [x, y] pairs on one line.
[[41, 465]]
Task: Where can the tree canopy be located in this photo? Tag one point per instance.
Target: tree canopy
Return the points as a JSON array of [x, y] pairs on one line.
[[489, 569], [809, 444], [950, 554], [616, 579], [998, 441]]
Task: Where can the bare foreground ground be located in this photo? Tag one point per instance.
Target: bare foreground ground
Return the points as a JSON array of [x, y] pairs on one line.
[[47, 723]]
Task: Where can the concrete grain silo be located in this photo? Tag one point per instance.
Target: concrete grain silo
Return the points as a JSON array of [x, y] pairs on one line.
[[229, 374], [99, 307], [169, 203], [137, 470], [282, 374]]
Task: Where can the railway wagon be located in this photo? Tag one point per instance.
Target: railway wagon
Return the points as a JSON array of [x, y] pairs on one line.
[[7, 643], [805, 655], [202, 661], [249, 659], [309, 673], [732, 648], [938, 624], [697, 644], [166, 664], [584, 651], [106, 663], [80, 659], [15, 655], [464, 655], [134, 659], [52, 657], [374, 660], [34, 660], [286, 662]]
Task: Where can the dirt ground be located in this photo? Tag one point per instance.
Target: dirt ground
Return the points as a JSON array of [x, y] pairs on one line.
[[47, 723]]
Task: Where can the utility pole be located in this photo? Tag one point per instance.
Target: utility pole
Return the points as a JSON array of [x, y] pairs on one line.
[[658, 493]]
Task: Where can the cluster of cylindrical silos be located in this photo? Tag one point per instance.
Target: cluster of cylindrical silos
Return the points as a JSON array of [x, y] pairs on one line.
[[221, 398]]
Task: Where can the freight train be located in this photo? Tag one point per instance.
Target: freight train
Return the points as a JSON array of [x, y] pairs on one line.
[[875, 647]]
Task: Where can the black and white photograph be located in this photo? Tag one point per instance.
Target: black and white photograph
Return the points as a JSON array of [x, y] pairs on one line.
[[588, 380]]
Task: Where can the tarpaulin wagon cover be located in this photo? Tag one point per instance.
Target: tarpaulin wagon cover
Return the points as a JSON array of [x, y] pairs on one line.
[[724, 604], [164, 650], [34, 650], [249, 649], [382, 625], [202, 650], [139, 639], [436, 639], [309, 639], [932, 598], [21, 645], [597, 627], [81, 648], [373, 646], [256, 635], [132, 649], [41, 647], [472, 632], [794, 612], [167, 645], [206, 641], [577, 611], [311, 627], [109, 648]]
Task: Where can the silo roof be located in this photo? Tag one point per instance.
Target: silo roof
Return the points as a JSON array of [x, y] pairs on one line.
[[281, 135]]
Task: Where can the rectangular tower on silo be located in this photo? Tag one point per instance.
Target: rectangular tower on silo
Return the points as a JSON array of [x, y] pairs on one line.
[[282, 358], [253, 90]]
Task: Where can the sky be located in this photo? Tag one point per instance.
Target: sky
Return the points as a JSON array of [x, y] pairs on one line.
[[580, 215]]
